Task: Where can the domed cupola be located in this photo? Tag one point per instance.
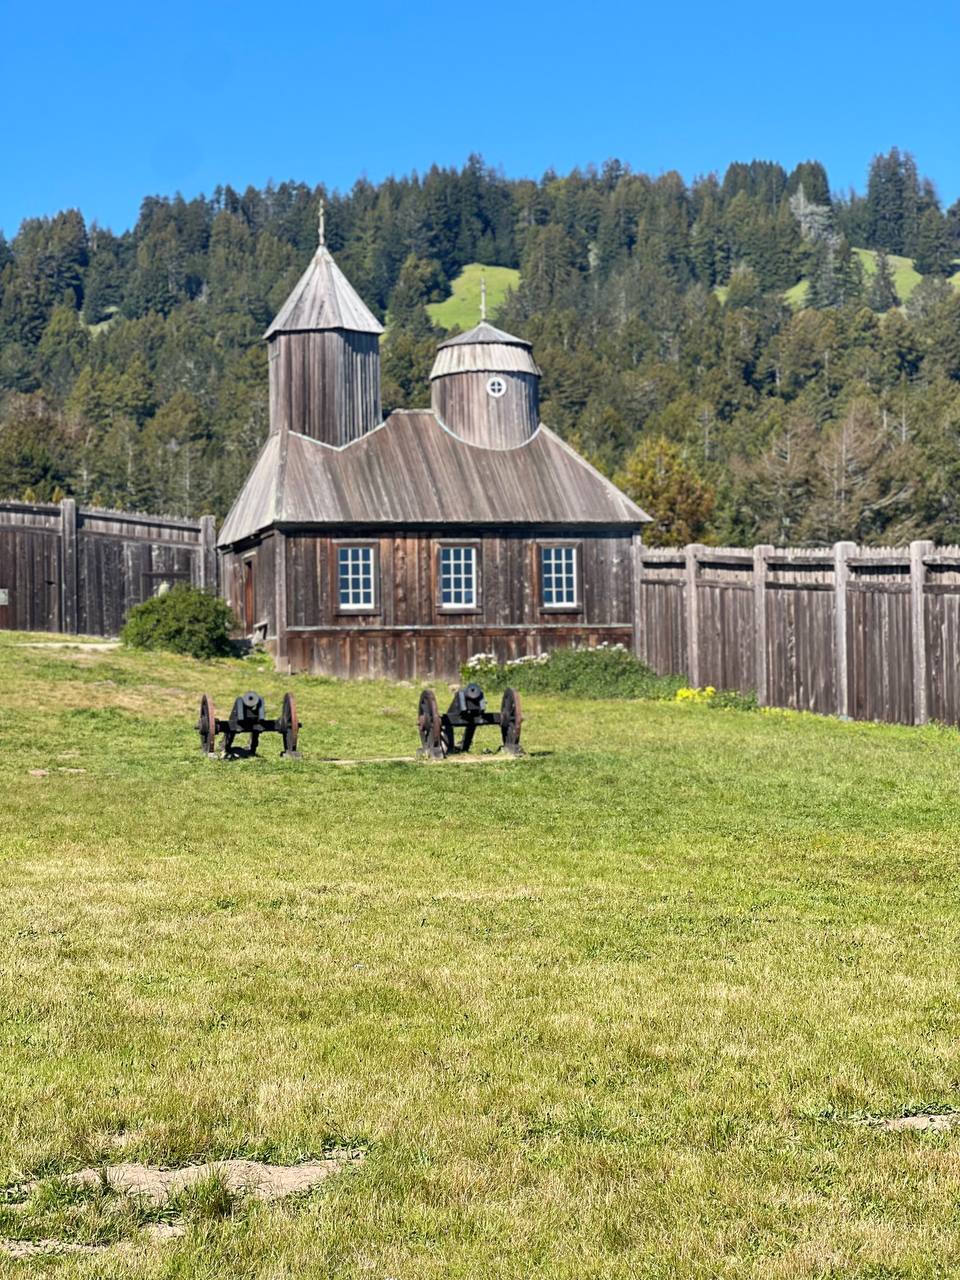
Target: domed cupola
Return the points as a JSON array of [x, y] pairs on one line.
[[485, 387]]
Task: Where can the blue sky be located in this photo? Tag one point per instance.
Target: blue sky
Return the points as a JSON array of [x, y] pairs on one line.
[[103, 104]]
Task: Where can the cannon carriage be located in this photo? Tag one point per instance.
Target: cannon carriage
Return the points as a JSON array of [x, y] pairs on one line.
[[248, 716], [468, 711]]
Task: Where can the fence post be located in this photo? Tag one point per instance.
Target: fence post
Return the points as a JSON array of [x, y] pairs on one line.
[[638, 620], [69, 603], [918, 629], [693, 614], [841, 578], [208, 553], [760, 554]]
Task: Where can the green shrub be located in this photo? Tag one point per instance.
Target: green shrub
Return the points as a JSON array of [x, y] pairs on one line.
[[183, 620], [609, 671]]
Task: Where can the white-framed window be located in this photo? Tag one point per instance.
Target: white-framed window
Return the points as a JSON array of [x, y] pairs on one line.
[[356, 576], [558, 576], [458, 576], [496, 387]]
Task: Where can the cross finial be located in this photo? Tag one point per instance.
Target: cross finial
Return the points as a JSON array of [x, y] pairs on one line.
[[483, 296], [322, 222]]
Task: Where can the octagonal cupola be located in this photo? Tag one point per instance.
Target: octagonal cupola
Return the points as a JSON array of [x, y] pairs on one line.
[[485, 387], [324, 348]]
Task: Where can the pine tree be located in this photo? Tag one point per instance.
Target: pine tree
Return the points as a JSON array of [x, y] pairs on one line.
[[934, 252], [882, 292]]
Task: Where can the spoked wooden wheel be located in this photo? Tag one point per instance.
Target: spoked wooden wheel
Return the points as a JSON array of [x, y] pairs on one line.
[[207, 726], [289, 725], [511, 718], [428, 723]]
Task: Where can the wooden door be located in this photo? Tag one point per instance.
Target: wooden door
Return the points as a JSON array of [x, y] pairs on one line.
[[248, 596], [6, 609]]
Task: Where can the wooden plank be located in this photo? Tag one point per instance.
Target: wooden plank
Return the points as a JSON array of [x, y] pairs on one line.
[[918, 630], [68, 561], [639, 638], [693, 613], [761, 684], [841, 577]]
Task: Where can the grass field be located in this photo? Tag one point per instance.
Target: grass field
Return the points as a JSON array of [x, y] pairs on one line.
[[611, 1010], [462, 309]]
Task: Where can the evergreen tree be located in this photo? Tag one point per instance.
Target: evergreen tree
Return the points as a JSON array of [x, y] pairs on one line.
[[673, 493], [933, 251], [882, 292]]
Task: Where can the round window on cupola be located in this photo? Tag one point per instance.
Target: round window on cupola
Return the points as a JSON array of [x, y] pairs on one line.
[[496, 387]]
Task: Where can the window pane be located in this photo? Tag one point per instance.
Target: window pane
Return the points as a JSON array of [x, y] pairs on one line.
[[355, 572], [558, 576], [458, 576]]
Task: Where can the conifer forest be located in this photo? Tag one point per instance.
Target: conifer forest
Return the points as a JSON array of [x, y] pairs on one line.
[[753, 357]]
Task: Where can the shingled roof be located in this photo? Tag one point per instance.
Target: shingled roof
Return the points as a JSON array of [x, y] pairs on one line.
[[484, 349], [323, 298], [482, 333], [411, 471]]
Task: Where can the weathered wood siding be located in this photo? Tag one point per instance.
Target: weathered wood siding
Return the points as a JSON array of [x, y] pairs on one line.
[[30, 567], [325, 385], [800, 634], [462, 403], [70, 570], [409, 634], [261, 557], [880, 645], [867, 632]]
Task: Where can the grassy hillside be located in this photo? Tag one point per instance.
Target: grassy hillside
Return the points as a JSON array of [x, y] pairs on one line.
[[462, 309], [616, 1009], [905, 277]]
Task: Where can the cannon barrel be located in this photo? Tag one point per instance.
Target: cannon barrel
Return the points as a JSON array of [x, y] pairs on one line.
[[247, 709], [470, 700]]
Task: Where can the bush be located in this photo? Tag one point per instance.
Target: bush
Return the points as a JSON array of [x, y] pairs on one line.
[[183, 620], [609, 671]]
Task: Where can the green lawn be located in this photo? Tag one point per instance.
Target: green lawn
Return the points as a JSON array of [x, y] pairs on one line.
[[462, 309], [611, 1010]]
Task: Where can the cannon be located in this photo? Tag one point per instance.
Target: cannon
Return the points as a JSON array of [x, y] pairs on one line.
[[247, 716], [468, 711]]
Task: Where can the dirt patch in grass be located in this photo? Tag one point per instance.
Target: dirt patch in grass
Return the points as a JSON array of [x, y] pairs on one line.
[[926, 1120], [240, 1177], [109, 1207], [47, 1248], [78, 646]]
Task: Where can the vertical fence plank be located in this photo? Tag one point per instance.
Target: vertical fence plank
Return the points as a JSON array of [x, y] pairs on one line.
[[760, 554], [842, 552], [208, 554], [918, 629], [68, 558], [693, 613], [638, 612]]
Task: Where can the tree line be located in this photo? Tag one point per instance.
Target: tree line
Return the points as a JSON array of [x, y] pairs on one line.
[[132, 372]]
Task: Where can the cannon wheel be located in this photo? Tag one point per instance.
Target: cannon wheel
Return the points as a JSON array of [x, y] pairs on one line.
[[511, 718], [429, 725], [289, 726], [207, 726]]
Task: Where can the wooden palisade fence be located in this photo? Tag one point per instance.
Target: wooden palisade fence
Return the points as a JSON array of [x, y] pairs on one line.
[[871, 633], [80, 571]]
